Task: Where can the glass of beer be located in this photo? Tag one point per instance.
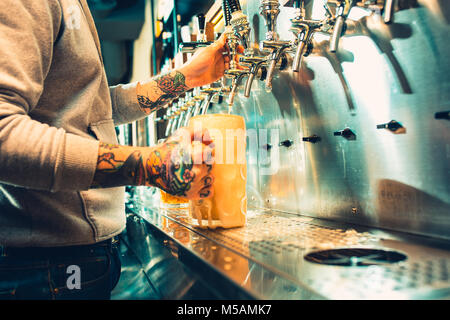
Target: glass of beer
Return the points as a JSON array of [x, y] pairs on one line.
[[228, 206], [168, 201]]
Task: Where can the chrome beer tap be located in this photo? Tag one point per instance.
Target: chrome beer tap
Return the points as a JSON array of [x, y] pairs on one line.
[[342, 9], [186, 104], [269, 9], [237, 75], [238, 33], [304, 29], [171, 118], [208, 94], [176, 116], [193, 105], [237, 30], [257, 69]]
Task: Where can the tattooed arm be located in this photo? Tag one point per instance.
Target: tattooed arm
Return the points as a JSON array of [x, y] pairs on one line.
[[206, 66], [168, 166], [160, 90]]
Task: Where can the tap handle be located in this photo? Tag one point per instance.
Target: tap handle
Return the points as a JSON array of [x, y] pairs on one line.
[[389, 11], [201, 22], [201, 26]]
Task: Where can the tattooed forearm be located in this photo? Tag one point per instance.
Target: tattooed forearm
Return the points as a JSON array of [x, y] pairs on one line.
[[167, 166], [118, 166], [160, 91]]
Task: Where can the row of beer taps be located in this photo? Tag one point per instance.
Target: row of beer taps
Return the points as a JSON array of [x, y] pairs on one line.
[[273, 50], [273, 54]]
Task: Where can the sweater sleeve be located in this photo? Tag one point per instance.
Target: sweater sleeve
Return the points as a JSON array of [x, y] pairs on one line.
[[33, 154], [125, 105]]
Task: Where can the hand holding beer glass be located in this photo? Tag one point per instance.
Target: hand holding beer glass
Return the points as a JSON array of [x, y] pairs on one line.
[[228, 206]]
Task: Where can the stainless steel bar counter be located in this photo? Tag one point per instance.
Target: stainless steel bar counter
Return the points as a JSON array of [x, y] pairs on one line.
[[283, 256]]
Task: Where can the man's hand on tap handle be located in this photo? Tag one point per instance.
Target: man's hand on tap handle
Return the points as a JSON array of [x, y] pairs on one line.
[[206, 66], [180, 166]]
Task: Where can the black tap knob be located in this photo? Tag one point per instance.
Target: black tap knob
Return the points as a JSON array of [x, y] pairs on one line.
[[445, 115], [313, 139], [201, 23], [347, 133], [286, 143], [393, 125]]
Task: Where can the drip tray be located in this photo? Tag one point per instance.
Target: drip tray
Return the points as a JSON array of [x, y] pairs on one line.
[[353, 257]]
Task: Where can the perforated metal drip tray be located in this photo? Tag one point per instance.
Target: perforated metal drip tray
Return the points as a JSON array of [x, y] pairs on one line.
[[355, 257], [336, 262]]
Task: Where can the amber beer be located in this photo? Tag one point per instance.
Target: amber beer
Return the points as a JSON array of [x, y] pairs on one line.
[[228, 206], [170, 201]]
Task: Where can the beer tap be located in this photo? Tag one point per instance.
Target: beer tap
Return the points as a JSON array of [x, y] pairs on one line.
[[342, 9], [171, 118], [304, 29], [186, 109], [237, 76], [194, 105], [179, 113], [208, 94], [269, 9], [382, 36], [238, 32], [240, 25], [257, 68]]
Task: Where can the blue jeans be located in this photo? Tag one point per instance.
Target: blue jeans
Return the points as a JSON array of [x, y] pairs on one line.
[[76, 272]]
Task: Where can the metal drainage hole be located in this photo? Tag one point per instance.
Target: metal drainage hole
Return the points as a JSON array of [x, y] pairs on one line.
[[355, 257]]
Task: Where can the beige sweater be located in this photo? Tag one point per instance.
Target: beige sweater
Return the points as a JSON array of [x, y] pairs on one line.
[[55, 107]]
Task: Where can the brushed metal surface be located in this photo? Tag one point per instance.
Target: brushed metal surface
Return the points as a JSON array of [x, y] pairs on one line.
[[266, 258], [380, 73]]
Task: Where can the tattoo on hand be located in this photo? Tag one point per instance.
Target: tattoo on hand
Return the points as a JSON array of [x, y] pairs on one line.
[[160, 91], [171, 169]]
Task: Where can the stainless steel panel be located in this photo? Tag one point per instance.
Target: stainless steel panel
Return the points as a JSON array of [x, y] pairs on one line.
[[399, 71]]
